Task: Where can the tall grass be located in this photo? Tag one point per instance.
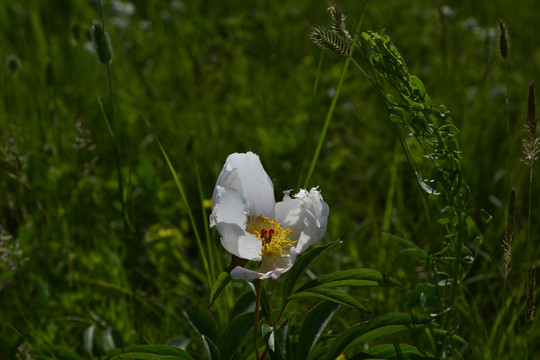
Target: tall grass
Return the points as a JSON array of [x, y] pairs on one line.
[[213, 78]]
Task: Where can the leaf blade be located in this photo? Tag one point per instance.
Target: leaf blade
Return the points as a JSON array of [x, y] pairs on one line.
[[314, 324], [354, 333], [302, 264], [333, 295]]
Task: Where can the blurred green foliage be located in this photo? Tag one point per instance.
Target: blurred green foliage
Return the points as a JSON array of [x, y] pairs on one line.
[[216, 77]]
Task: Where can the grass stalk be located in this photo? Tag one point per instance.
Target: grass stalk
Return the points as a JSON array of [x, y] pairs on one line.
[[507, 246], [327, 121], [209, 245], [104, 54], [182, 192]]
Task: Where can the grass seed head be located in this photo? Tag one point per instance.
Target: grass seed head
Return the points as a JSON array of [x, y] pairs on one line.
[[339, 25], [102, 43], [330, 41], [508, 236], [531, 143], [503, 40]]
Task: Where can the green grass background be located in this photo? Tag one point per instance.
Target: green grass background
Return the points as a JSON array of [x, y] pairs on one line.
[[217, 77]]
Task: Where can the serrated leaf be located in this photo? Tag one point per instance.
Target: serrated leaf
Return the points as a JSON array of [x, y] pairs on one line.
[[393, 351], [302, 264], [203, 322], [212, 352], [380, 326], [313, 326], [333, 295], [234, 334], [361, 277], [222, 280]]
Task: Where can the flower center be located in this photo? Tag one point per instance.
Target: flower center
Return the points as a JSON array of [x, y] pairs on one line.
[[274, 238]]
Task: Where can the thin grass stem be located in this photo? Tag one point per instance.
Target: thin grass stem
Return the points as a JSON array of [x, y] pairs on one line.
[[182, 192], [326, 123]]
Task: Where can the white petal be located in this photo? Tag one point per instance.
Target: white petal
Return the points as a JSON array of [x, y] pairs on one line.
[[281, 266], [239, 273], [290, 215], [245, 173], [270, 269], [306, 214], [229, 215], [272, 262]]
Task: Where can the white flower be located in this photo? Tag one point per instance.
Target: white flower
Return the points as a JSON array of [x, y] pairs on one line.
[[254, 227]]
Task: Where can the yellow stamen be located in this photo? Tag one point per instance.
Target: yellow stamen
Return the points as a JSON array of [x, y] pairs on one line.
[[274, 238]]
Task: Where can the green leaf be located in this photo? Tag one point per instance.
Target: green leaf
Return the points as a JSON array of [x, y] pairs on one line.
[[142, 352], [59, 353], [473, 231], [90, 344], [313, 326], [212, 352], [336, 296], [380, 326], [486, 216], [302, 264], [202, 321], [354, 277], [281, 336], [417, 250], [234, 334], [179, 341], [268, 335], [222, 280], [244, 304], [112, 339], [393, 351], [417, 86]]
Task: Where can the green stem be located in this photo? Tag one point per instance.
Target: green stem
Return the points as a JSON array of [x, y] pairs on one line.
[[256, 318], [499, 347]]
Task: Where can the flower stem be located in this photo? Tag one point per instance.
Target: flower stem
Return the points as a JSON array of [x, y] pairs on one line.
[[256, 318]]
